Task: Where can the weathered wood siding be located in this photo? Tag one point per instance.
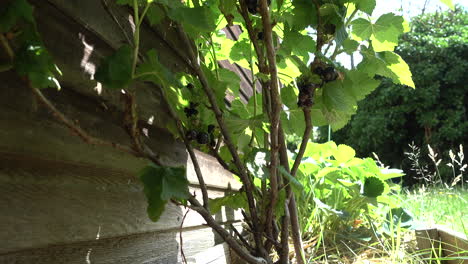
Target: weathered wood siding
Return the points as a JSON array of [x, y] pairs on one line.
[[63, 201]]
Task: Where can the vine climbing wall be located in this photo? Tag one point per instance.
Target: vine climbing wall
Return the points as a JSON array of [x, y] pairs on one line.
[[65, 201]]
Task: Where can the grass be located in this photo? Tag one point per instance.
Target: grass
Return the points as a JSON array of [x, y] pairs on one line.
[[438, 206]]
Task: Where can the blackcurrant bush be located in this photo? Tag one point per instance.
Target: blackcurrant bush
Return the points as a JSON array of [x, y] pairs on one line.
[[203, 138]]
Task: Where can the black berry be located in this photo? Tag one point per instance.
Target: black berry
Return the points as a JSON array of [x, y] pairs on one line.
[[252, 6], [329, 74], [260, 35], [212, 140], [191, 135], [211, 128], [203, 138], [189, 86]]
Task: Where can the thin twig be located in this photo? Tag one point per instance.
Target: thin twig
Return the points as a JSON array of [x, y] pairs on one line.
[[180, 237], [9, 51], [80, 132], [108, 10], [231, 241], [241, 238]]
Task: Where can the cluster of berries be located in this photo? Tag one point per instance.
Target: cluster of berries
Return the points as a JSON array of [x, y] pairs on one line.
[[306, 90], [202, 137]]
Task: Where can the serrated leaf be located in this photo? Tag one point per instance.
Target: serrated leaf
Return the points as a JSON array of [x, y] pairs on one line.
[[386, 32], [115, 71], [304, 14], [13, 12], [350, 46], [388, 64], [366, 6], [373, 187], [360, 84], [362, 29], [160, 185], [336, 97], [298, 44]]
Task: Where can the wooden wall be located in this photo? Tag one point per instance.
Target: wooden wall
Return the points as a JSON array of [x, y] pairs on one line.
[[63, 201]]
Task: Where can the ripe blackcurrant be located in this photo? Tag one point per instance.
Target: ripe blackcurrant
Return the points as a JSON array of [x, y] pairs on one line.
[[189, 86], [191, 135], [203, 138], [211, 128], [260, 35], [329, 74]]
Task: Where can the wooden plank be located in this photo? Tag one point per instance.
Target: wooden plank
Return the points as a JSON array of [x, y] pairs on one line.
[[155, 248], [428, 243], [455, 245], [43, 204], [32, 132]]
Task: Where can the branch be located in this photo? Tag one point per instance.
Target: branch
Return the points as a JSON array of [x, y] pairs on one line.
[[180, 237], [83, 134], [219, 117], [275, 113], [231, 241], [241, 238], [7, 47], [305, 140], [189, 148], [284, 253]]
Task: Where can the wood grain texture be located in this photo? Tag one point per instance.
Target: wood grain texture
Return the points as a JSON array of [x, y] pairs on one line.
[[155, 248]]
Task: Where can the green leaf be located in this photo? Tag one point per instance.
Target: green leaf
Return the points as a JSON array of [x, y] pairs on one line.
[[350, 46], [237, 125], [362, 29], [296, 186], [237, 200], [398, 218], [344, 153], [115, 71], [360, 84], [373, 187], [388, 64], [14, 12], [337, 97], [384, 33], [304, 14], [160, 185], [33, 61], [387, 30], [155, 15], [196, 20], [298, 44], [289, 96], [231, 79], [326, 171], [366, 6]]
